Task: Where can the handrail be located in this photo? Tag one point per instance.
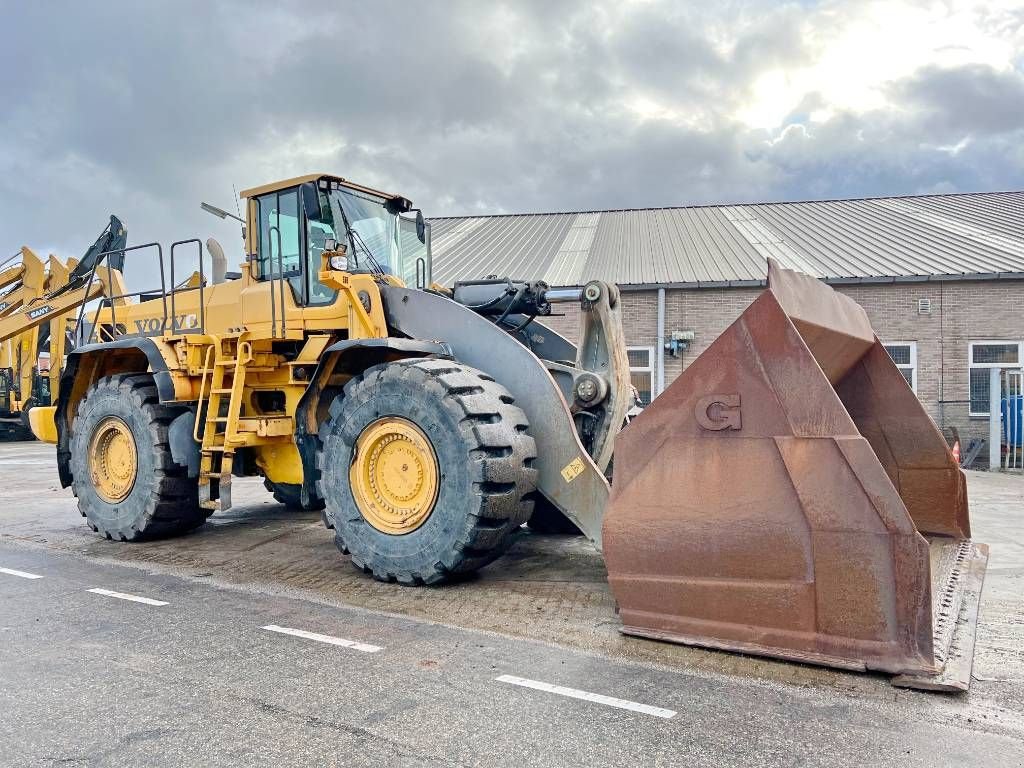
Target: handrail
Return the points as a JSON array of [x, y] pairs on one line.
[[167, 319], [202, 287], [280, 285], [199, 400], [109, 300], [270, 262], [280, 277], [421, 283]]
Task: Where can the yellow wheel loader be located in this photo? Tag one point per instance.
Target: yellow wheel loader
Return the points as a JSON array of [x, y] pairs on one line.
[[786, 496], [20, 383], [28, 325]]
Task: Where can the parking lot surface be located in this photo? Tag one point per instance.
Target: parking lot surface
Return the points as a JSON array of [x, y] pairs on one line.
[[252, 640]]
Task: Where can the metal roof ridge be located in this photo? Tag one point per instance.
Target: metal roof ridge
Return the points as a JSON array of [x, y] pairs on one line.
[[694, 206]]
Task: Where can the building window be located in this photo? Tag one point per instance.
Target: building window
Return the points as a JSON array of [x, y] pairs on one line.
[[904, 354], [641, 371], [985, 355]]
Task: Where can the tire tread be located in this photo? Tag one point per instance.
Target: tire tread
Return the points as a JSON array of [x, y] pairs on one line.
[[173, 507], [499, 445]]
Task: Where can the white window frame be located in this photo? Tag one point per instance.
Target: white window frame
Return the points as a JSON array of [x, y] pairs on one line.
[[912, 366], [648, 369], [971, 365]]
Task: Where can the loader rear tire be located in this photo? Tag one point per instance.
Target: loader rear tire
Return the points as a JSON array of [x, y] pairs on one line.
[[129, 488], [290, 494], [462, 482]]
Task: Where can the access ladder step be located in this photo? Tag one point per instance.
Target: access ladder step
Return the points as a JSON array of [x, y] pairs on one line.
[[215, 484]]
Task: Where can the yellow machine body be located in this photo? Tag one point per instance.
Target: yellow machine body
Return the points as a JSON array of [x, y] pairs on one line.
[[197, 326]]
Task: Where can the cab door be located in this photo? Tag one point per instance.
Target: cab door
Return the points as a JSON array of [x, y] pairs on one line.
[[280, 240], [290, 246]]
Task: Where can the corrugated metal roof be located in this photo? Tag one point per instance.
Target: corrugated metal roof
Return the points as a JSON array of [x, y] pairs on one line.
[[887, 238]]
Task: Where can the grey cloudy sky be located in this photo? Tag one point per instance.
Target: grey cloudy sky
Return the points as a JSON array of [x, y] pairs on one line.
[[144, 109]]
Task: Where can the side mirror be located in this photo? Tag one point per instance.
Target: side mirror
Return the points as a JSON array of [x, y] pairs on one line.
[[421, 227], [310, 201]]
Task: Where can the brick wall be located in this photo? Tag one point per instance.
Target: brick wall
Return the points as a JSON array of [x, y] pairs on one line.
[[960, 312]]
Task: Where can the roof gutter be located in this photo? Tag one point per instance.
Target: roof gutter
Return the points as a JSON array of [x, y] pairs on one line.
[[870, 280]]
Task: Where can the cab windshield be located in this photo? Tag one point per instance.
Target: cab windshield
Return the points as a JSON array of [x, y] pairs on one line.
[[376, 240], [371, 233]]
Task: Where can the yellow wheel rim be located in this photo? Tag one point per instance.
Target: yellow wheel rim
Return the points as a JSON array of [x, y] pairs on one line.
[[394, 475], [113, 460]]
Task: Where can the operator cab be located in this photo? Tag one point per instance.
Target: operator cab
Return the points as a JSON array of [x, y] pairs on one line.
[[293, 222]]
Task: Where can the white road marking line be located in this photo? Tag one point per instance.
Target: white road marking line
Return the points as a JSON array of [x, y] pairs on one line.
[[22, 574], [574, 693], [124, 596], [364, 647]]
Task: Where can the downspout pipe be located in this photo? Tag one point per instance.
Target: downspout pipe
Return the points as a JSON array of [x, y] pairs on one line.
[[661, 343]]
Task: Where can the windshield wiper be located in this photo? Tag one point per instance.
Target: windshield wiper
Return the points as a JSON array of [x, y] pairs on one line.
[[357, 242], [374, 264]]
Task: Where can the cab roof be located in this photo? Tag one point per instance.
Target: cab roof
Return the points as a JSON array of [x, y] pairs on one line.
[[294, 182]]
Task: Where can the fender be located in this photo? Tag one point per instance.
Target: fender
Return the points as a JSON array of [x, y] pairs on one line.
[[350, 356], [567, 475], [138, 354]]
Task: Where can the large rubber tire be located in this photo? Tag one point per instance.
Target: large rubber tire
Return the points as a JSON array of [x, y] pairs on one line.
[[15, 432], [163, 500], [290, 494], [485, 457]]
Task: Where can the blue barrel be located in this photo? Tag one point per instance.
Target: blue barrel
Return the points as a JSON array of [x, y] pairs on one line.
[[1013, 421]]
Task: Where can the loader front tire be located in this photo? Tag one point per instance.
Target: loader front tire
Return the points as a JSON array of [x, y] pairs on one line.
[[128, 486], [426, 467]]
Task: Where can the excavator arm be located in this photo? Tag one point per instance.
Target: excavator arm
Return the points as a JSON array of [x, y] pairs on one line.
[[54, 305], [40, 308], [31, 273]]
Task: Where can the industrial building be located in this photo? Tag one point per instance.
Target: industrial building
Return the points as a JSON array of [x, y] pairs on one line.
[[940, 276]]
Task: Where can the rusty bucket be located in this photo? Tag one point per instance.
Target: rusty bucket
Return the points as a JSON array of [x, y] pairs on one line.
[[789, 496]]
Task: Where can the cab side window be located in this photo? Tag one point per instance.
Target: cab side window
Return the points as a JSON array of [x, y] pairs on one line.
[[280, 236]]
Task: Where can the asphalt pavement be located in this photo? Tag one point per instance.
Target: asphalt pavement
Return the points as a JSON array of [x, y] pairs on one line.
[[105, 664]]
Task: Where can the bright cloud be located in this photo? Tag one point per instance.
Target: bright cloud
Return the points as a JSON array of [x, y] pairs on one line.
[[468, 107]]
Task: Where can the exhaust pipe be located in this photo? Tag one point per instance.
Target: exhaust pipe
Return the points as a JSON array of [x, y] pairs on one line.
[[218, 261]]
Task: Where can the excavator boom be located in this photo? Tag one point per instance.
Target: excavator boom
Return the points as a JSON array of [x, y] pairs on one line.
[[37, 312]]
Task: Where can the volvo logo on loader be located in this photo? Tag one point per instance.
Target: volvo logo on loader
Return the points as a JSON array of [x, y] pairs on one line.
[[154, 326], [717, 412]]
